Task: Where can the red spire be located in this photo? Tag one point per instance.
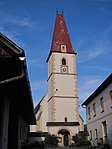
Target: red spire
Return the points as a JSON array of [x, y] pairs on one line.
[[61, 36]]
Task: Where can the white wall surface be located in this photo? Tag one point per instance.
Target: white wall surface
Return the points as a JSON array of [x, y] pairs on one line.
[[96, 121]]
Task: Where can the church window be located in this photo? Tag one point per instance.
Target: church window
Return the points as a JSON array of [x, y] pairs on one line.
[[65, 119], [63, 61]]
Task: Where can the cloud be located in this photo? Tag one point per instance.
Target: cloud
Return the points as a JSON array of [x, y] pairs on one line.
[[38, 85], [12, 35], [90, 54], [106, 11], [34, 63], [94, 53], [23, 22], [108, 35], [87, 85]]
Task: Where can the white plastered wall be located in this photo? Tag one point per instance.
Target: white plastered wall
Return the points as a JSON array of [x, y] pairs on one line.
[[95, 122]]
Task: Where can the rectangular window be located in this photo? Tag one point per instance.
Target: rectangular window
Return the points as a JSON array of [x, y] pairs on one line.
[[96, 134], [90, 135], [89, 115], [104, 131], [101, 105], [111, 98], [94, 109]]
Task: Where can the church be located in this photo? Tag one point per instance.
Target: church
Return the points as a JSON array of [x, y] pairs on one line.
[[58, 111]]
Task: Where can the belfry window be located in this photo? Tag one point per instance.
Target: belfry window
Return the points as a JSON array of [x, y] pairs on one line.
[[63, 61]]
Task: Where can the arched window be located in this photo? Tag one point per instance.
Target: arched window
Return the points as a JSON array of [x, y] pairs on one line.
[[65, 119], [63, 61]]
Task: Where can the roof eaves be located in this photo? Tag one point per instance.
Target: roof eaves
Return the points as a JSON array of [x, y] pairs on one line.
[[15, 48], [59, 52]]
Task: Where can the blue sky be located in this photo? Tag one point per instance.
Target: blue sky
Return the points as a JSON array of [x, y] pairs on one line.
[[30, 24]]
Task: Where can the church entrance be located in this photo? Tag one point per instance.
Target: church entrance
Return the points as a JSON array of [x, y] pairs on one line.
[[64, 135]]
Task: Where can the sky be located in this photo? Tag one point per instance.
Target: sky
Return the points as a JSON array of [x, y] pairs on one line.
[[30, 24]]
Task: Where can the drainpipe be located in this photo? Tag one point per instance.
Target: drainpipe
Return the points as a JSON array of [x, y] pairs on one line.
[[22, 59]]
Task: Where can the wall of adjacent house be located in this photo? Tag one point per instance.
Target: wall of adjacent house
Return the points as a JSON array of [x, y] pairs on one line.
[[22, 131], [4, 124], [101, 114], [81, 122]]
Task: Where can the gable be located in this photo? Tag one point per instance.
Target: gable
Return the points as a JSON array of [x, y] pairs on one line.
[[4, 53], [8, 47]]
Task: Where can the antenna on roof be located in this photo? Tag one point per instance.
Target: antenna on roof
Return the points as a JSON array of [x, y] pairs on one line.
[[62, 11], [56, 11]]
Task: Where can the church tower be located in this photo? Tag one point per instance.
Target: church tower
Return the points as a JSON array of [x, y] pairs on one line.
[[63, 111], [58, 111]]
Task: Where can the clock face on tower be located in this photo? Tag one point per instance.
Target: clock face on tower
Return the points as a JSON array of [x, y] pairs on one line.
[[64, 69]]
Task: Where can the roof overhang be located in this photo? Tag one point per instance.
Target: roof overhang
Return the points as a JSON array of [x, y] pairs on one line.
[[14, 80], [62, 124], [59, 52]]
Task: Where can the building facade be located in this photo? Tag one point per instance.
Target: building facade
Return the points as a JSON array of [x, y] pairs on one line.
[[58, 111], [99, 113], [16, 105]]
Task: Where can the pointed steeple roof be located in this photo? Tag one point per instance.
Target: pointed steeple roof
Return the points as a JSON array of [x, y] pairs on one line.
[[61, 36]]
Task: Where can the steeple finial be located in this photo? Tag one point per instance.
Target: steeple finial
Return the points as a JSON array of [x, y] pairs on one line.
[[62, 11], [56, 11]]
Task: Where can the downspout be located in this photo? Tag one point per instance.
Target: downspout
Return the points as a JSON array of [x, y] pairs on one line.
[[22, 59]]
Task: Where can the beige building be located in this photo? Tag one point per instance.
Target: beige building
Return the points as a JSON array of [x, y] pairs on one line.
[[99, 113], [58, 112]]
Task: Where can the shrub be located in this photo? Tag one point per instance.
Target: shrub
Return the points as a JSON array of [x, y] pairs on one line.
[[51, 140], [81, 139]]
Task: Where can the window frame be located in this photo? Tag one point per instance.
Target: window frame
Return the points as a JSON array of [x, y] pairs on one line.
[[89, 113], [94, 109], [90, 132], [63, 62], [101, 105], [110, 93], [96, 134]]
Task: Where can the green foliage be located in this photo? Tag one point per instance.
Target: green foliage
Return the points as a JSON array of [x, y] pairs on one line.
[[81, 139], [51, 140]]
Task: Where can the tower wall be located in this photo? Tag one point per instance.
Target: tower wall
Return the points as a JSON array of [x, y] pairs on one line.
[[62, 88]]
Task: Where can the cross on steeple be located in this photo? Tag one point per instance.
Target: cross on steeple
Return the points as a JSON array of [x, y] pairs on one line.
[[57, 11]]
